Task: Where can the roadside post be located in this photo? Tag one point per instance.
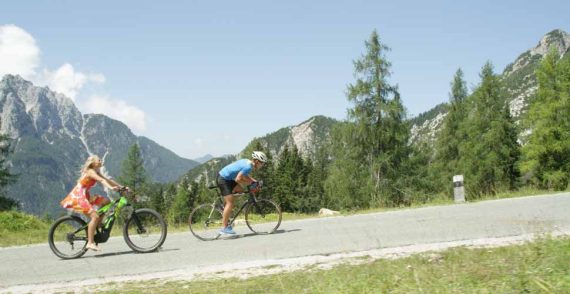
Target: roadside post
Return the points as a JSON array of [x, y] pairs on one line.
[[458, 190]]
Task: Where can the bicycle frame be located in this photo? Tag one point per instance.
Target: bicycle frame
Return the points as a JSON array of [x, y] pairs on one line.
[[206, 219], [251, 200], [103, 233]]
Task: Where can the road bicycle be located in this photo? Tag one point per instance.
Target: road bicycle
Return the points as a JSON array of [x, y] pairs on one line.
[[144, 230], [262, 216]]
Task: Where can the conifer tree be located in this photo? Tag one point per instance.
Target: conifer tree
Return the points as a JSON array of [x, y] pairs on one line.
[[347, 180], [183, 201], [546, 156], [491, 151], [451, 135], [313, 196], [6, 177], [133, 173], [284, 180], [267, 172], [156, 193], [373, 144]]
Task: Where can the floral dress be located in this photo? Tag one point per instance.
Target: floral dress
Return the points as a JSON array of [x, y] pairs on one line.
[[79, 199]]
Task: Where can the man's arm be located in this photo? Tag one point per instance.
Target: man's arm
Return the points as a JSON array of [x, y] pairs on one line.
[[244, 180]]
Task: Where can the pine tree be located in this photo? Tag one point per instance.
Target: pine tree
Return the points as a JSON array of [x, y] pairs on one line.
[[313, 196], [183, 201], [169, 194], [267, 172], [156, 193], [346, 186], [373, 143], [6, 177], [546, 156], [491, 151], [451, 135], [133, 173], [284, 180]]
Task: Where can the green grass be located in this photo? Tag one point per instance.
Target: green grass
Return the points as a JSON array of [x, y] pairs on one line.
[[21, 229], [438, 200], [541, 266]]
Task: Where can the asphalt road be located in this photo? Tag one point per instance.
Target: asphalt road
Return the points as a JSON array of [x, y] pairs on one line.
[[36, 264]]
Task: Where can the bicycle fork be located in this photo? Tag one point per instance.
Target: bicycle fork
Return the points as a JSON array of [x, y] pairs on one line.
[[140, 228]]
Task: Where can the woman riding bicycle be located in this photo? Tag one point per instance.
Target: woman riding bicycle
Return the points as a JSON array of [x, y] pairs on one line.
[[234, 178], [79, 199]]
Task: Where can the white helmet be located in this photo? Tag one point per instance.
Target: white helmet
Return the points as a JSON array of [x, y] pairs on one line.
[[259, 156]]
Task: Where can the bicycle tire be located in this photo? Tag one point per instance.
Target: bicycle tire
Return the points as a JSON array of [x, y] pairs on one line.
[[64, 239], [263, 216], [152, 232], [205, 222]]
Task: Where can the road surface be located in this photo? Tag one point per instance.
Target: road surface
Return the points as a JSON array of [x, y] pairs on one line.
[[37, 265]]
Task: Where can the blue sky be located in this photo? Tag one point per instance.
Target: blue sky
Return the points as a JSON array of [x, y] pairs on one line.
[[206, 77]]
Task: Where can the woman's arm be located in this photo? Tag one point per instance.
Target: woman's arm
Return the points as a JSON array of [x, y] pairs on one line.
[[113, 182], [103, 180]]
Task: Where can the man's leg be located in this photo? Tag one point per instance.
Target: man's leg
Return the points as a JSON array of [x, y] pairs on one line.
[[229, 205]]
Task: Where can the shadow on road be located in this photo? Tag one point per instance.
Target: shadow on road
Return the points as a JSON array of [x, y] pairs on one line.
[[128, 252], [238, 236]]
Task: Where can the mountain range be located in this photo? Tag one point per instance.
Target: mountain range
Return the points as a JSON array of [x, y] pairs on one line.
[[520, 85], [52, 138]]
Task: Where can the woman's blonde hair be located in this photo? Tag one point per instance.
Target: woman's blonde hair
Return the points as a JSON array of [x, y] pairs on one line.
[[87, 165]]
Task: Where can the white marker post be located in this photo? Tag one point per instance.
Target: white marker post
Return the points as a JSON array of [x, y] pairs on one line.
[[458, 190]]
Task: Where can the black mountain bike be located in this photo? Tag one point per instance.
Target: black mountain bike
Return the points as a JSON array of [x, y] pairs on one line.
[[144, 229], [262, 216]]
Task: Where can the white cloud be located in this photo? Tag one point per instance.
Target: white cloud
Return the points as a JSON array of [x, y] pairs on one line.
[[19, 53], [117, 109], [67, 81]]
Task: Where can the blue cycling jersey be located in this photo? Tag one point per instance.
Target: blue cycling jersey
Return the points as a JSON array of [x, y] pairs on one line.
[[230, 171]]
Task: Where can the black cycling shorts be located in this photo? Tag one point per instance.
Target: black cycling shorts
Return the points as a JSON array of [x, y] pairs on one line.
[[226, 186]]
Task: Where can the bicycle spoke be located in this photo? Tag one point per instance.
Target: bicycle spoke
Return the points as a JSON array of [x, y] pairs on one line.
[[145, 231], [68, 237], [263, 216], [205, 222]]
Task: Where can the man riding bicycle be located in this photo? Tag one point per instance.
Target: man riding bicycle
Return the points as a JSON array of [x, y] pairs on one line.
[[234, 178]]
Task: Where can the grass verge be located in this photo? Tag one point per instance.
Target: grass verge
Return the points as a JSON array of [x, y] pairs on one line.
[[21, 229], [540, 266]]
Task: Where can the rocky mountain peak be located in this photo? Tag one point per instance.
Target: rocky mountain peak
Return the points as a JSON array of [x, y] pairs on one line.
[[27, 109], [14, 82], [518, 77], [302, 136], [52, 139], [558, 39]]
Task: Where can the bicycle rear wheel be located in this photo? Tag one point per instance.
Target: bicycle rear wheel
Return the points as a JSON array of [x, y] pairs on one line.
[[67, 237], [263, 216], [205, 222], [145, 231]]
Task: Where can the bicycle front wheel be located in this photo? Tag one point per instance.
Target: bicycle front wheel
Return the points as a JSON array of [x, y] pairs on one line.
[[67, 237], [205, 222], [263, 216], [145, 230]]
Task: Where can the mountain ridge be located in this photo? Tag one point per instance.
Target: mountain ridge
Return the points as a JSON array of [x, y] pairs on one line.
[[52, 138], [519, 80]]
